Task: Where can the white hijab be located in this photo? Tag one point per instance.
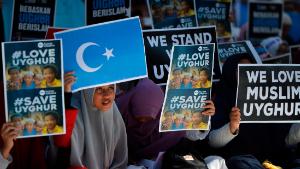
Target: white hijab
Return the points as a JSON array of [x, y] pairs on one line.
[[99, 139]]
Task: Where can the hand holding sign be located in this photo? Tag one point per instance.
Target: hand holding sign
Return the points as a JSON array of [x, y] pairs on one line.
[[235, 118], [8, 133], [69, 80], [210, 108]]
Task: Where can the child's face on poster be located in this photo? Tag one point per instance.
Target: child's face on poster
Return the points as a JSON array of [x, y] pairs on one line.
[[196, 117], [104, 97], [14, 75], [203, 76], [50, 122], [49, 75]]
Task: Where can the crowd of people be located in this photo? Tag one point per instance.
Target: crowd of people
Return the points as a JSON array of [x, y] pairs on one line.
[[117, 126]]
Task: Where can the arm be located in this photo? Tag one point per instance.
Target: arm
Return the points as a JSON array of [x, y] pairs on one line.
[[222, 136], [8, 134], [4, 162], [200, 135], [196, 134], [293, 138]]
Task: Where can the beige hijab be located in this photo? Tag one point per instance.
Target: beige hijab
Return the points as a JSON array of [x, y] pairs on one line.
[[99, 139]]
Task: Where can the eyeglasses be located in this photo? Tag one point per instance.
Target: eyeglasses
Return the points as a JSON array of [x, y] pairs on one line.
[[103, 91]]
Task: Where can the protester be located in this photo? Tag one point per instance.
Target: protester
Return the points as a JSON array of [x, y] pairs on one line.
[[140, 104], [263, 141], [96, 133]]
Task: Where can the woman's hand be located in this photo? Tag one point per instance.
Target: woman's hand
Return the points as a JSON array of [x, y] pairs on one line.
[[235, 118], [9, 133], [69, 80], [209, 108]]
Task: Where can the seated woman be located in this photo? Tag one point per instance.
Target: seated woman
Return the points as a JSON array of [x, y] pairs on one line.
[[96, 132], [263, 141], [140, 104]]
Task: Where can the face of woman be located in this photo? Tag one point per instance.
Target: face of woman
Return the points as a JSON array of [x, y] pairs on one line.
[[49, 75], [104, 97]]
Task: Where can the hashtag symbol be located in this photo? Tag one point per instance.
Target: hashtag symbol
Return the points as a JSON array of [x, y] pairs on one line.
[[174, 99], [16, 54], [18, 102], [181, 57]]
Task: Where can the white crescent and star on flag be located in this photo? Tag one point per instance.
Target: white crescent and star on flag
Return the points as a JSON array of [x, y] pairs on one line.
[[80, 56]]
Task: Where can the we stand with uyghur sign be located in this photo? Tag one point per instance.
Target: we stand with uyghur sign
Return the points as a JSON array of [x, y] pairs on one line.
[[269, 93], [159, 43], [104, 53]]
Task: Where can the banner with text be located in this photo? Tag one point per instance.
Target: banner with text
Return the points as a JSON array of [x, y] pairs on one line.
[[98, 11], [188, 87], [33, 87], [281, 59], [265, 20], [31, 19], [172, 14], [227, 50], [158, 45], [269, 93], [215, 12]]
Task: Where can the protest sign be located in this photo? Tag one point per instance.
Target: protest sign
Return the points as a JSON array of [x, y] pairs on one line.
[[269, 93], [51, 31], [98, 11], [33, 87], [265, 20], [158, 45], [172, 14], [227, 50], [281, 59], [31, 19], [215, 12], [104, 53], [295, 54], [188, 87]]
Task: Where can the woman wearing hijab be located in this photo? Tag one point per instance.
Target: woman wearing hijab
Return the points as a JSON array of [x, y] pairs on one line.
[[95, 129], [264, 141], [140, 104]]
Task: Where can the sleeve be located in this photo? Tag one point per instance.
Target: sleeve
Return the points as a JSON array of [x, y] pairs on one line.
[[65, 140], [197, 134], [147, 101], [293, 137], [220, 137], [4, 162], [121, 151]]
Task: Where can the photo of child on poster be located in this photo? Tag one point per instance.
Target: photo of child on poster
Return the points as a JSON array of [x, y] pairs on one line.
[[172, 13], [188, 88], [215, 12]]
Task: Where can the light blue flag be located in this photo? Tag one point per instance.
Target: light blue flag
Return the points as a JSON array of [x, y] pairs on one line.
[[104, 53]]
